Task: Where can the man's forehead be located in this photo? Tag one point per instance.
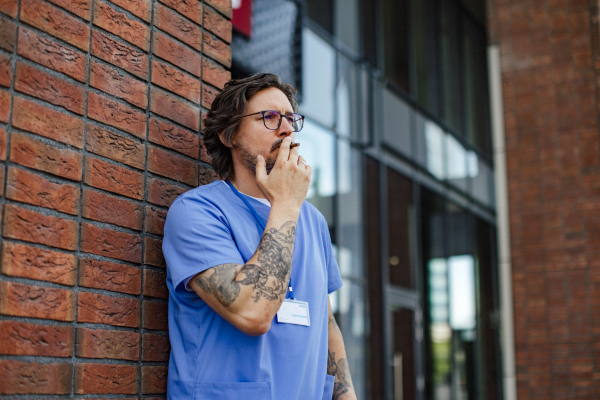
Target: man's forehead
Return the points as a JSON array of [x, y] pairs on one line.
[[270, 99]]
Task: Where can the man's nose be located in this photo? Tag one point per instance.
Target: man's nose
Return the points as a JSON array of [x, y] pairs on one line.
[[285, 129]]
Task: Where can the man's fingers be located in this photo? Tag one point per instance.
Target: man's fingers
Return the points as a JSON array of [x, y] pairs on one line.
[[293, 157], [261, 169], [284, 150], [302, 161]]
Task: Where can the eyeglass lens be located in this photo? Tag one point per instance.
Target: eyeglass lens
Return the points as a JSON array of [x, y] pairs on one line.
[[272, 120]]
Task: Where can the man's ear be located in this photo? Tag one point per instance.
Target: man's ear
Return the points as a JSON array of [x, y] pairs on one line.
[[227, 143]]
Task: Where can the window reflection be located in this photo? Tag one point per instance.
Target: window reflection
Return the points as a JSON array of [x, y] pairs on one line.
[[317, 146], [434, 149], [318, 77], [396, 122], [456, 163]]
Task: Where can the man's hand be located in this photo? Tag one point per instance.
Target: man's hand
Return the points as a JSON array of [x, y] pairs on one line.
[[287, 184]]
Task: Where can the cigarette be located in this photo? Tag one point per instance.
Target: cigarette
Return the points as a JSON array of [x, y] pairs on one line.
[[294, 145]]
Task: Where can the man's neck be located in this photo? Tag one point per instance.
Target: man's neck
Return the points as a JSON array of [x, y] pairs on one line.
[[245, 183]]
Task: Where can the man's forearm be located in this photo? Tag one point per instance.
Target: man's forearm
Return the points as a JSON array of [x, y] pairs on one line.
[[337, 363]]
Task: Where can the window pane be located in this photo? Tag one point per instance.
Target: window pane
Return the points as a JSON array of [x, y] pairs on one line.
[[451, 51], [482, 180], [347, 100], [396, 122], [349, 233], [317, 146], [394, 14], [318, 77], [346, 23], [321, 11], [423, 54], [456, 163]]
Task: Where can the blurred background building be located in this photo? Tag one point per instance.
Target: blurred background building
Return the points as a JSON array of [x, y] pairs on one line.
[[415, 112]]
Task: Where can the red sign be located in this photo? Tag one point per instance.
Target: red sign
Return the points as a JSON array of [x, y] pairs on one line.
[[242, 16]]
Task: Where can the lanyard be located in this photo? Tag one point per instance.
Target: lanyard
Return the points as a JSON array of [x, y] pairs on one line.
[[259, 222]]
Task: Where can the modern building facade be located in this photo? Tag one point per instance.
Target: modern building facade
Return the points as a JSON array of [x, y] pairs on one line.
[[398, 132]]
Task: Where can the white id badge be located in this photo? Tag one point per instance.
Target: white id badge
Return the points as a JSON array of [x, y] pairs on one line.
[[293, 312]]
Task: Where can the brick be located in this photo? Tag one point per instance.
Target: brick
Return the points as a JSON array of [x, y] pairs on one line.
[[51, 54], [20, 377], [108, 310], [110, 276], [100, 343], [27, 187], [208, 95], [214, 74], [6, 71], [155, 284], [36, 302], [113, 210], [40, 264], [114, 146], [113, 113], [119, 54], [153, 254], [30, 226], [175, 109], [55, 22], [81, 8], [192, 9], [23, 339], [216, 49], [178, 54], [4, 106], [173, 137], [155, 348], [154, 221], [172, 166], [8, 35], [163, 193], [223, 6], [119, 84], [180, 28], [106, 379], [109, 243], [46, 122], [119, 24], [113, 178], [33, 153], [3, 143], [40, 84], [9, 7], [206, 176], [139, 8], [178, 82], [217, 24], [154, 380], [154, 315]]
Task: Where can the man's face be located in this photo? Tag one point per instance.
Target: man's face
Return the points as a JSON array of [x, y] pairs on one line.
[[253, 138]]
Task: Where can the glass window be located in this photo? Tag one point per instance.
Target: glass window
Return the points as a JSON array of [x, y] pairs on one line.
[[317, 146], [400, 214], [318, 77], [396, 122], [321, 11], [348, 116], [369, 30], [435, 140], [482, 180], [395, 18], [349, 232], [456, 163], [475, 82], [347, 23], [423, 54], [450, 64]]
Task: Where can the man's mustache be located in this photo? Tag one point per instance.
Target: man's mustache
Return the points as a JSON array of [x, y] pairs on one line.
[[276, 145]]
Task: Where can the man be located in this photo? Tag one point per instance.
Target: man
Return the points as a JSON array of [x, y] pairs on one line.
[[238, 328]]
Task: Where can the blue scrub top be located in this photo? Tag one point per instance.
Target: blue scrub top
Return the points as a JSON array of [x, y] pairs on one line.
[[210, 358]]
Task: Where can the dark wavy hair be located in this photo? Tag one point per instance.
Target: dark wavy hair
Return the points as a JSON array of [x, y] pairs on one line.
[[225, 114]]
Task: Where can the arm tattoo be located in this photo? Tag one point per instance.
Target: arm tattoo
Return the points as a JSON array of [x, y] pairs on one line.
[[341, 371], [268, 278], [333, 325]]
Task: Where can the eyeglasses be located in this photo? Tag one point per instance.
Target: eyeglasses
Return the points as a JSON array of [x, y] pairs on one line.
[[272, 119]]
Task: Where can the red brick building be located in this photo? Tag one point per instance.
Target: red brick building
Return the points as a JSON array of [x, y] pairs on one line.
[[100, 110]]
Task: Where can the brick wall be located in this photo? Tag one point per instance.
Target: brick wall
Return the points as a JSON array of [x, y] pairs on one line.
[[550, 71], [100, 110]]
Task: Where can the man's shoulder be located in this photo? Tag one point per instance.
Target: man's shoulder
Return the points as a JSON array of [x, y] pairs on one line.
[[208, 195]]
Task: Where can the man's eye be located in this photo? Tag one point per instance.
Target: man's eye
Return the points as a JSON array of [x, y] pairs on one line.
[[269, 117]]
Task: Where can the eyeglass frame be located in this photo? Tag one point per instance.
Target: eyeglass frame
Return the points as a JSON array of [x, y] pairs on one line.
[[280, 119]]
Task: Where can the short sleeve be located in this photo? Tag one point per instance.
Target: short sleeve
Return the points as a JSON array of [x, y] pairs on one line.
[[334, 279], [197, 237]]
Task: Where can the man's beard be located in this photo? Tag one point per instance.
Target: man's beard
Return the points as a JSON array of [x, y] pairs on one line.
[[249, 158]]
